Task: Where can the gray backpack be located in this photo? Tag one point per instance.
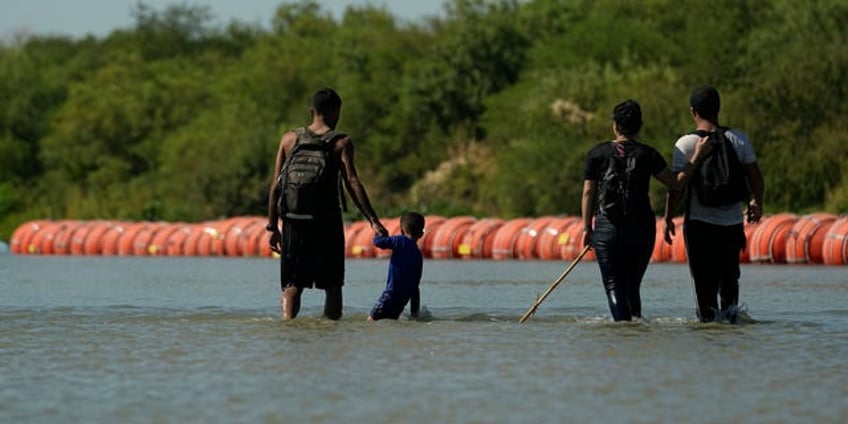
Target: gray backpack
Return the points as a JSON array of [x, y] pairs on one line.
[[309, 181]]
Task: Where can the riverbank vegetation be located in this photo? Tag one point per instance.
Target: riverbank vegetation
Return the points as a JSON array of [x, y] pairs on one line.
[[487, 110]]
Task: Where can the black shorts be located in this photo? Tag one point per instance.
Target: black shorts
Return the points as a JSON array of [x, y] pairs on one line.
[[313, 252]]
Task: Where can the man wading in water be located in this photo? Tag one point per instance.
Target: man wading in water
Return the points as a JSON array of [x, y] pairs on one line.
[[311, 164]]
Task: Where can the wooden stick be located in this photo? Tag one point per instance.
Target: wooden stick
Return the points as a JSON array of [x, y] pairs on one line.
[[556, 282]]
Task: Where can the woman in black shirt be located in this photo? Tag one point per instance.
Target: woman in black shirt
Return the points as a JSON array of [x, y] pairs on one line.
[[624, 226]]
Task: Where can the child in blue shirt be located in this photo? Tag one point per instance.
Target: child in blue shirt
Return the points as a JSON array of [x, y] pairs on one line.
[[405, 267]]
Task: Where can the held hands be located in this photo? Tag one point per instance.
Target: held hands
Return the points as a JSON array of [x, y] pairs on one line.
[[378, 228]]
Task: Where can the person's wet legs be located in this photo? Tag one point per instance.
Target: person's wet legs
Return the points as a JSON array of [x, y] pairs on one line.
[[701, 255], [728, 289], [290, 301], [333, 302], [605, 243]]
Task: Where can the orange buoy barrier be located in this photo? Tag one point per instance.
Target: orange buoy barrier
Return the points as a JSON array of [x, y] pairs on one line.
[[262, 238], [233, 235], [362, 243], [549, 243], [678, 241], [352, 231], [768, 243], [246, 243], [175, 242], [750, 229], [504, 243], [190, 243], [662, 250], [817, 238], [205, 241], [22, 236], [478, 240], [93, 244], [806, 238], [571, 242], [158, 244], [62, 238], [449, 235], [835, 245], [258, 239], [525, 241], [431, 224], [77, 246], [125, 242], [141, 241], [41, 242]]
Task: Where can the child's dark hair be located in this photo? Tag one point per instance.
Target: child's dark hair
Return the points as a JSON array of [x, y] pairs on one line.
[[326, 100], [412, 223]]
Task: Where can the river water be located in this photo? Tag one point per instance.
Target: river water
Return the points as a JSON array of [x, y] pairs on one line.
[[96, 339]]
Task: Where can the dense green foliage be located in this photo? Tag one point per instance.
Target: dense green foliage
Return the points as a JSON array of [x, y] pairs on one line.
[[488, 110]]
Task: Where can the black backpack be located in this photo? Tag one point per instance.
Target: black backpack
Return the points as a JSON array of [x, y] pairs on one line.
[[614, 188], [720, 178], [309, 181]]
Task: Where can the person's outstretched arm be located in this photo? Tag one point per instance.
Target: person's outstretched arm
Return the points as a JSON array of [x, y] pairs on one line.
[[356, 188], [677, 180]]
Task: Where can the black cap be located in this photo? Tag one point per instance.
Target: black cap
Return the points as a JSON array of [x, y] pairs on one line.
[[706, 102], [628, 116]]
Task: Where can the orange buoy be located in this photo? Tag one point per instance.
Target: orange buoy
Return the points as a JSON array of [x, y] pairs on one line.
[[745, 253], [504, 243], [478, 240], [678, 241], [352, 231], [126, 240], [158, 244], [448, 237], [548, 242], [362, 245], [41, 242], [21, 238], [254, 233], [662, 250], [835, 245], [204, 241], [62, 238], [143, 239], [175, 242], [525, 242], [431, 225], [93, 244], [768, 243], [234, 235], [218, 232], [393, 227], [262, 242], [190, 244], [571, 242], [77, 246], [805, 240]]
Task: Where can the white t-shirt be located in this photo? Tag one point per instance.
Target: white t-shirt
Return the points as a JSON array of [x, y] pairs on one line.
[[731, 214]]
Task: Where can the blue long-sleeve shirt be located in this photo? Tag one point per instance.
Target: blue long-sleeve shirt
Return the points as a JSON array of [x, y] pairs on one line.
[[405, 267]]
